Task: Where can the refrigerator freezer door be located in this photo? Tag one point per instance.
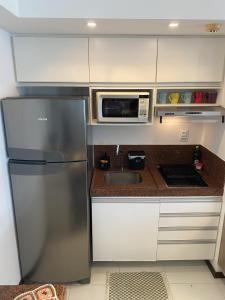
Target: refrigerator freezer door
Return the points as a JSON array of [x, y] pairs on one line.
[[45, 129], [52, 221]]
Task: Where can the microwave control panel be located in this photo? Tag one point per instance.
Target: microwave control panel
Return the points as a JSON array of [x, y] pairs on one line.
[[143, 107]]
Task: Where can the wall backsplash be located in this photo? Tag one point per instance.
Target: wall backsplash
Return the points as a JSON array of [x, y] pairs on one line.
[[156, 134], [155, 154]]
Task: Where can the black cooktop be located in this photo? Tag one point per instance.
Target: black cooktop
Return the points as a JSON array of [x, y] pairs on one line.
[[181, 176]]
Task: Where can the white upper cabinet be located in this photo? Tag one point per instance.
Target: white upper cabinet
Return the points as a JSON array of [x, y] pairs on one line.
[[122, 59], [51, 59], [190, 59]]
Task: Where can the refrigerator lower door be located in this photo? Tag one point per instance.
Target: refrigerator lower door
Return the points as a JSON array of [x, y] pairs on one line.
[[52, 221]]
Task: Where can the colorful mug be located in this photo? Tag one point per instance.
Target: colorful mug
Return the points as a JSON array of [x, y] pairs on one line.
[[198, 96], [174, 98], [186, 97], [162, 97]]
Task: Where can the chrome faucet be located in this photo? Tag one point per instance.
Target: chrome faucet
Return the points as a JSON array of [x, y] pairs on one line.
[[118, 151]]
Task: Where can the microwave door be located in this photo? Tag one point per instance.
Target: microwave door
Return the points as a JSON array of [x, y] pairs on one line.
[[119, 109]]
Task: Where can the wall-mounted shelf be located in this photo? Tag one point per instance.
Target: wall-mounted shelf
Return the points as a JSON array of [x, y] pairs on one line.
[[174, 96]]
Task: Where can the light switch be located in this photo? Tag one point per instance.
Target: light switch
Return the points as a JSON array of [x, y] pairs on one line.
[[184, 135]]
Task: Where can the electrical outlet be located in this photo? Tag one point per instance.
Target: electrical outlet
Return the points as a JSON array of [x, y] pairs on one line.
[[184, 135]]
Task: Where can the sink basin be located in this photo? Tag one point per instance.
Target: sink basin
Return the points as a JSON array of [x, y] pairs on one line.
[[122, 178]]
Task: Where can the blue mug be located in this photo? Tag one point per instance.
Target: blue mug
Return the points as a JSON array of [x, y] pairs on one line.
[[162, 97], [186, 97]]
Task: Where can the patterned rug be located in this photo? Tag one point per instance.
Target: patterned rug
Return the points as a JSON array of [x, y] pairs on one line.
[[137, 286], [9, 292]]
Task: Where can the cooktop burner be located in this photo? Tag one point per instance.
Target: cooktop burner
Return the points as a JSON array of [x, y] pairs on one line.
[[181, 176]]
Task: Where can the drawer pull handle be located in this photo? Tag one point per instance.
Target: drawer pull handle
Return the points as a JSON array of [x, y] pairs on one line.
[[212, 228], [190, 242], [189, 215]]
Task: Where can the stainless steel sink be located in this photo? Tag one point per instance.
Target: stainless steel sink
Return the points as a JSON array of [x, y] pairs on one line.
[[122, 178]]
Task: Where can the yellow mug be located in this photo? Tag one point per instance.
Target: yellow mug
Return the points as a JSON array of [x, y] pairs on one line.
[[174, 98]]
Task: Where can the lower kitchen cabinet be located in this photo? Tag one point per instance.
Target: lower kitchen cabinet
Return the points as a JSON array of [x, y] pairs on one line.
[[188, 228], [125, 231], [222, 249], [149, 229]]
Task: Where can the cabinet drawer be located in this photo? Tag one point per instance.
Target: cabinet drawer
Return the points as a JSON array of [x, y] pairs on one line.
[[183, 221], [168, 235], [185, 251], [203, 207]]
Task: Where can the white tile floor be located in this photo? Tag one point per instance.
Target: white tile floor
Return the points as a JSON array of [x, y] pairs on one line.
[[187, 280]]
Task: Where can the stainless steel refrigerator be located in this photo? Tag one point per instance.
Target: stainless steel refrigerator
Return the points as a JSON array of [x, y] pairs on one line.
[[47, 150]]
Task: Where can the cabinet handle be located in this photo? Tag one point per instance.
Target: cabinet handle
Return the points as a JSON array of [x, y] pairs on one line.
[[182, 242], [199, 201], [192, 214], [215, 228]]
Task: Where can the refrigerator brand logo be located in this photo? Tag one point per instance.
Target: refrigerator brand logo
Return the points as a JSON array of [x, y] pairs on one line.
[[42, 119]]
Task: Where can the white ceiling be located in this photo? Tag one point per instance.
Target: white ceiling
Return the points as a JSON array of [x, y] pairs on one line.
[[121, 9], [144, 17]]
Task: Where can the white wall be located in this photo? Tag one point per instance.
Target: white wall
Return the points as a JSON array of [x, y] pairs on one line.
[[157, 134], [213, 136], [9, 265], [127, 9]]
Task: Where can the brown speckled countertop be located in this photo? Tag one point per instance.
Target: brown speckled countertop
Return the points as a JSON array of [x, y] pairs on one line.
[[153, 183], [100, 188]]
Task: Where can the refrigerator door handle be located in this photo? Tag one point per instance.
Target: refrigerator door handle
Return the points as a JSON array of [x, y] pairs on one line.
[[28, 162]]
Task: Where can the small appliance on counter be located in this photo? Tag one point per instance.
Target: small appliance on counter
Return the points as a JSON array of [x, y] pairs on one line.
[[136, 160], [104, 162]]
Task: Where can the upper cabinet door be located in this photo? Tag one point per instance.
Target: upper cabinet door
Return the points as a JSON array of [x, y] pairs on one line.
[[123, 59], [51, 59], [190, 59]]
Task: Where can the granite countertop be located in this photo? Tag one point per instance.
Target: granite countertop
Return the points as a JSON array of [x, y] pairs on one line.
[[152, 185]]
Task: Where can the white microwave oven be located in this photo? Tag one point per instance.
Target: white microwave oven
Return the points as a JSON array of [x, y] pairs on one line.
[[122, 107]]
